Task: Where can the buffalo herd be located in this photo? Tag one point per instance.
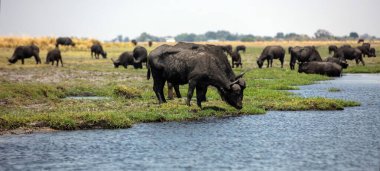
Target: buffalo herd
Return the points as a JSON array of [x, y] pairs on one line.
[[201, 66]]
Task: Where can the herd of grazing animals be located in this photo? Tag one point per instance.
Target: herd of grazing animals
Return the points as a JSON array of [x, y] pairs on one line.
[[201, 66]]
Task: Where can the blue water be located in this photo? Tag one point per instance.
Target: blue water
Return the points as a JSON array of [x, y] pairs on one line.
[[307, 140]]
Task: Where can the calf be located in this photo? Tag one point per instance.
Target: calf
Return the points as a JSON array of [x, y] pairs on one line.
[[54, 55]]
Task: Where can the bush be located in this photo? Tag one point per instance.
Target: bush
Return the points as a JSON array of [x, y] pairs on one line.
[[127, 92]]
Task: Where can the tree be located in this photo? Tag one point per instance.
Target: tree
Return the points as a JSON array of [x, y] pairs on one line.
[[280, 35], [210, 35], [323, 34], [354, 35]]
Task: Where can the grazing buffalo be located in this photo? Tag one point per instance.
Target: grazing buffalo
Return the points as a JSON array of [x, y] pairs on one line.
[[332, 48], [293, 51], [140, 55], [361, 41], [65, 41], [372, 52], [340, 62], [349, 53], [365, 49], [324, 68], [22, 52], [97, 49], [227, 49], [150, 43], [134, 42], [125, 59], [269, 53], [241, 48], [200, 66], [54, 55]]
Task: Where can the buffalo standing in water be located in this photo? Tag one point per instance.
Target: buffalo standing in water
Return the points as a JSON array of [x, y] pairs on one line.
[[66, 41], [324, 68], [54, 55], [97, 50], [22, 52], [269, 53], [199, 67]]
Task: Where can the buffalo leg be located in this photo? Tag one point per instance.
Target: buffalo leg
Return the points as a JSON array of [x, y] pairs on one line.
[[267, 63], [22, 61], [190, 91], [158, 88], [200, 95], [61, 61], [282, 62], [170, 91], [362, 61], [177, 92]]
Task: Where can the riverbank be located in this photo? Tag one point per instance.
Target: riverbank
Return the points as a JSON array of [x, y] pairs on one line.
[[34, 96]]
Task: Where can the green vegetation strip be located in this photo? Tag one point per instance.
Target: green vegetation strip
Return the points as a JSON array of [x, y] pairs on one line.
[[44, 105]]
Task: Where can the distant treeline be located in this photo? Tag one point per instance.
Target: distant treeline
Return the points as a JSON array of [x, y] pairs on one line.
[[223, 35]]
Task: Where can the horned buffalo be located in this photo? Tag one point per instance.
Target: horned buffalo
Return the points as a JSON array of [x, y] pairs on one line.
[[66, 41], [97, 50], [324, 68], [124, 60], [365, 49], [349, 53], [342, 63], [199, 67], [140, 55], [360, 40], [269, 53], [236, 59], [22, 52], [54, 55]]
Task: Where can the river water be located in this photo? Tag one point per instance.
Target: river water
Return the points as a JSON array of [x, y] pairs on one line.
[[306, 140]]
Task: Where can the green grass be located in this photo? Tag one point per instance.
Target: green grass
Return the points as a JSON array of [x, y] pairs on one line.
[[33, 95]]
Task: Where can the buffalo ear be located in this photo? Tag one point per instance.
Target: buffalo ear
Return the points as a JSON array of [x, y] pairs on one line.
[[242, 83], [239, 76], [232, 83]]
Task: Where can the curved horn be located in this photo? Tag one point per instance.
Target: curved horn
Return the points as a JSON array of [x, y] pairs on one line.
[[235, 82], [239, 76]]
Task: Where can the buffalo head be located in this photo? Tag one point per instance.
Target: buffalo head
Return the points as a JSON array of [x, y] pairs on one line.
[[233, 95], [104, 55], [12, 60], [260, 63], [115, 63]]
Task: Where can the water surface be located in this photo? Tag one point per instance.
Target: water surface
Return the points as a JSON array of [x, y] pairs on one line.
[[307, 140]]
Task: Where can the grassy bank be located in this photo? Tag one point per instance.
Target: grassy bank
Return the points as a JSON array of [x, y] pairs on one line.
[[34, 95]]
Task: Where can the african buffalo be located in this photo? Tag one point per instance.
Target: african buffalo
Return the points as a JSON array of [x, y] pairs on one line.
[[134, 42], [54, 55], [66, 41], [365, 49], [332, 48], [22, 52], [227, 49], [293, 51], [269, 53], [240, 48], [97, 49], [236, 59], [361, 41], [199, 67], [125, 59], [372, 52], [324, 68], [150, 43], [349, 53], [342, 63], [308, 54], [140, 55]]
